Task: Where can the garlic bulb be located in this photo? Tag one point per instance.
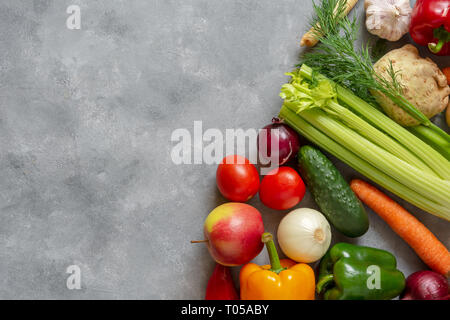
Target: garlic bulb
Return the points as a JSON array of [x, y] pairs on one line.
[[388, 19], [304, 235]]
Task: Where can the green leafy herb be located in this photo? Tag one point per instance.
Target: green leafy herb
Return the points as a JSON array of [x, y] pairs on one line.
[[379, 49]]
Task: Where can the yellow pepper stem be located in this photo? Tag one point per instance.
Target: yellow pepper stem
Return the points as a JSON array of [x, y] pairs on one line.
[[275, 265]]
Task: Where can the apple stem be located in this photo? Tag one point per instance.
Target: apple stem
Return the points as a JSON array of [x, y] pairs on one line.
[[275, 265], [199, 241]]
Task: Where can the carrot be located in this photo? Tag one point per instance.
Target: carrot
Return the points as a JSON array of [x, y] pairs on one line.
[[419, 238]]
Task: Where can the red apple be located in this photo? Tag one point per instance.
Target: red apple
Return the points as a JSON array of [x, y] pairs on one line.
[[234, 231]]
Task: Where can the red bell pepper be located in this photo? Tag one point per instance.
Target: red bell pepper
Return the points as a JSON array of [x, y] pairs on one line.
[[430, 25], [220, 285]]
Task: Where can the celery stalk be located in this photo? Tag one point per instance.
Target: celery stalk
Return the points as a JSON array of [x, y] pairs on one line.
[[299, 97], [401, 171], [319, 138], [437, 162], [382, 140], [433, 139]]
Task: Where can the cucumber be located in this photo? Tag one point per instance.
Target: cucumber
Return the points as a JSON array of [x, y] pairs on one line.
[[332, 193]]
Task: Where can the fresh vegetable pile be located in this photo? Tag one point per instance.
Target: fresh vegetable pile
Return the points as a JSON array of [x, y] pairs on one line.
[[335, 120], [330, 115], [375, 118]]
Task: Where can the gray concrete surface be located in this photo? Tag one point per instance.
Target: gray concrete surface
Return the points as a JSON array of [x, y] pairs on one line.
[[86, 118]]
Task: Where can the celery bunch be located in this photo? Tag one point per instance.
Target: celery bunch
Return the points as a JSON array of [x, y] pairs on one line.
[[366, 139]]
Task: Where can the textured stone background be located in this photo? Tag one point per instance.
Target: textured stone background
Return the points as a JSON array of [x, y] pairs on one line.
[[85, 123]]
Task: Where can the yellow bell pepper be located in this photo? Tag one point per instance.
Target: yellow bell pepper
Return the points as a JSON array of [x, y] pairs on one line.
[[281, 280]]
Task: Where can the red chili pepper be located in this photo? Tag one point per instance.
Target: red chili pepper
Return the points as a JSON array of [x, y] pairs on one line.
[[220, 285], [430, 25]]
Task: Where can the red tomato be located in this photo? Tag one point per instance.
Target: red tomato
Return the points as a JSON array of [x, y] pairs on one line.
[[237, 179], [282, 190]]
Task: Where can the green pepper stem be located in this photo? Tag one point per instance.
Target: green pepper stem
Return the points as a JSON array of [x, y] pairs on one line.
[[435, 48], [275, 265], [323, 282]]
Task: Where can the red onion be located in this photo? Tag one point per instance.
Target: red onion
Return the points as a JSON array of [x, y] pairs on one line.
[[426, 285], [283, 136]]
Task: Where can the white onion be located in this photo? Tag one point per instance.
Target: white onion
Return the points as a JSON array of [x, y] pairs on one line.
[[304, 235]]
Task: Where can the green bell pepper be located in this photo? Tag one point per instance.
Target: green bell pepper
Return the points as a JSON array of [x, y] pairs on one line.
[[351, 272]]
